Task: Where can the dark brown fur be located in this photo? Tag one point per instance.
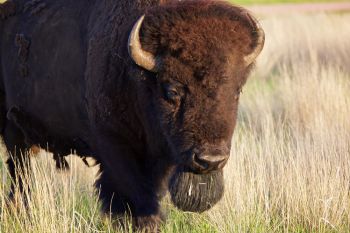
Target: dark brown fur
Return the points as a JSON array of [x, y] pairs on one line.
[[7, 9], [23, 51], [34, 7], [201, 39], [85, 93]]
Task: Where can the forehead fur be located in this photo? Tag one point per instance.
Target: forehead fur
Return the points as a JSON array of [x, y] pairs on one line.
[[201, 34]]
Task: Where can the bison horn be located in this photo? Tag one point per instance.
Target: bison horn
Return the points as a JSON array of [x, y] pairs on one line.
[[260, 41], [141, 57]]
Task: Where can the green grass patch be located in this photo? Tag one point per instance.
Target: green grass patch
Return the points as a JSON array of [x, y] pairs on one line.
[[187, 222]]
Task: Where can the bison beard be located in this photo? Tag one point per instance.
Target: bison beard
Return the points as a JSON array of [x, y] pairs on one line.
[[194, 192]]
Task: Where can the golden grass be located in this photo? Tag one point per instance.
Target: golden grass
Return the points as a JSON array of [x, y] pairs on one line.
[[290, 165]]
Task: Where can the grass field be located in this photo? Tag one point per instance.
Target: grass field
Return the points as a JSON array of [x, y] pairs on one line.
[[290, 165]]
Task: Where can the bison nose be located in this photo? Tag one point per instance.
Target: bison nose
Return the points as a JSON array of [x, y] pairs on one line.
[[207, 163]]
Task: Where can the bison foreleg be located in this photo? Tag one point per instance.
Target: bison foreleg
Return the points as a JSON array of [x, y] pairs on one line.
[[142, 206], [19, 160], [2, 109], [126, 188], [30, 131], [61, 162]]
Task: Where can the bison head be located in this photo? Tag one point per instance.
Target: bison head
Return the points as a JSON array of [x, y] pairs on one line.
[[196, 56]]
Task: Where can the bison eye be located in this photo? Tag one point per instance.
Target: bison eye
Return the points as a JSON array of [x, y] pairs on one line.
[[171, 93]]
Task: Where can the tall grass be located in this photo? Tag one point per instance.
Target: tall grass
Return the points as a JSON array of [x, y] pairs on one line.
[[289, 169], [290, 165]]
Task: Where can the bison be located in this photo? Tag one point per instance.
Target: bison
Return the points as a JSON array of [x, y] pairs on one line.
[[148, 88]]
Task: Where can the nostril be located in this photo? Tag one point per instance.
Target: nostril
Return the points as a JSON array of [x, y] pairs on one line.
[[205, 160], [206, 163], [199, 164], [212, 162]]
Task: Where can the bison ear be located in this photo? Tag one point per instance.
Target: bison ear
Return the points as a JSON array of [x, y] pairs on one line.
[[259, 40], [141, 57]]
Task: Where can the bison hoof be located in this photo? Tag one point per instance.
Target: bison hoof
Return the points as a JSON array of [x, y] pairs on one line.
[[149, 224], [61, 163]]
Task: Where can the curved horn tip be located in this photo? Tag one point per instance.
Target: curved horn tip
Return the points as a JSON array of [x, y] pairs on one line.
[[141, 57], [249, 59]]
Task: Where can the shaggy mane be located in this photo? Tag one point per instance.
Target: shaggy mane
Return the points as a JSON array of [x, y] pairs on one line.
[[194, 31]]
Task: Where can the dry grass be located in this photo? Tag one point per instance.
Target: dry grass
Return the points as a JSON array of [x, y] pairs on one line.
[[290, 164]]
